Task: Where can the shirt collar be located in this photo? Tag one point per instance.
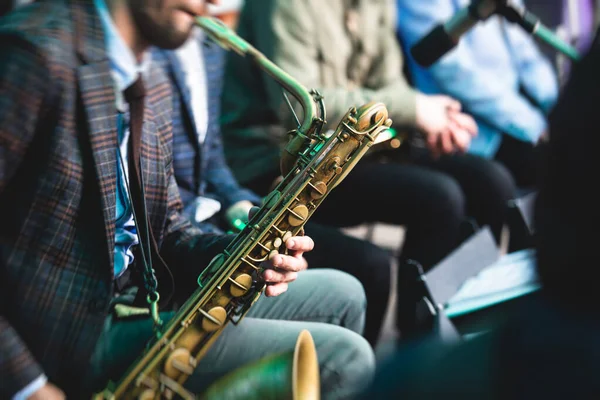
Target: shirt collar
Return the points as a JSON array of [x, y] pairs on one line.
[[123, 64]]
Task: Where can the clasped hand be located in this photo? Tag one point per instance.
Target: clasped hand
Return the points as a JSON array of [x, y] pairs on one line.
[[446, 127]]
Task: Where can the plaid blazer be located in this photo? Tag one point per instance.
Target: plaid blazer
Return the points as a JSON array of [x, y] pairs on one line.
[[58, 149], [201, 169]]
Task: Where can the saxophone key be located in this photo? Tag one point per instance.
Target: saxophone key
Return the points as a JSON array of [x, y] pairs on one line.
[[286, 236], [213, 319], [265, 248], [179, 361], [272, 254], [251, 262], [352, 116], [147, 394], [334, 165], [172, 387], [240, 285], [318, 190], [150, 384], [298, 215], [277, 230]]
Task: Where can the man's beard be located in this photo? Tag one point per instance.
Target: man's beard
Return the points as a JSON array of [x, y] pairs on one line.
[[164, 37]]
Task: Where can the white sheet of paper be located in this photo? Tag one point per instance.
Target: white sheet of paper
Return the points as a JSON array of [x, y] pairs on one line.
[[511, 276]]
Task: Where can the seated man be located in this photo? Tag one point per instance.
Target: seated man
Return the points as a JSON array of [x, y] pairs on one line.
[[86, 160], [348, 51], [499, 76], [214, 201], [549, 349]]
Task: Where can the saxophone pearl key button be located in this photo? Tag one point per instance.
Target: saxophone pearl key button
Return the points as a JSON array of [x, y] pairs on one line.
[[272, 254], [240, 285], [178, 363], [318, 190], [298, 215], [214, 319]]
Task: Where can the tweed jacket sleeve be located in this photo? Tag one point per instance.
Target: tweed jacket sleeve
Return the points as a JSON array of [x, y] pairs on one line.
[[295, 35], [24, 95]]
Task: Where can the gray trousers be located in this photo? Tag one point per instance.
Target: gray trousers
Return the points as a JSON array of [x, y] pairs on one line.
[[329, 303]]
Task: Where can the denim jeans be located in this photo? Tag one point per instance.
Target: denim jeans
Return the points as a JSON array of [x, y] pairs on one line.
[[329, 303]]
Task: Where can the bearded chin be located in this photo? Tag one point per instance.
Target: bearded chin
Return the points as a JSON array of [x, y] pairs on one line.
[[167, 38]]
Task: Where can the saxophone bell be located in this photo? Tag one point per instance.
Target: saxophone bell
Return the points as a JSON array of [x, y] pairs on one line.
[[289, 375]]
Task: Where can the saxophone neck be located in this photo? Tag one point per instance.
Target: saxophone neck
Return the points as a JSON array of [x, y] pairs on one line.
[[311, 101]]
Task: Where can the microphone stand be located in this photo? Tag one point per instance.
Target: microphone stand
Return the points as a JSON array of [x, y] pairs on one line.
[[532, 24]]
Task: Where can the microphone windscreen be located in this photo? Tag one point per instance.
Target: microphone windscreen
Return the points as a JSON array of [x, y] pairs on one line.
[[432, 47]]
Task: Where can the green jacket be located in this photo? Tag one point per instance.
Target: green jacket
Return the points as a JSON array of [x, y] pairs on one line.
[[351, 58]]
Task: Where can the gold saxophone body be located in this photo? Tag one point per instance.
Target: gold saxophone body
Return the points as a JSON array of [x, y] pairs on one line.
[[312, 165]]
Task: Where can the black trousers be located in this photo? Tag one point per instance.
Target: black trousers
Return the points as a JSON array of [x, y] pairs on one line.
[[521, 159], [486, 185], [430, 197]]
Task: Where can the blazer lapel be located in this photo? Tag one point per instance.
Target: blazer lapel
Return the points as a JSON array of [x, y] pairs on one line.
[[98, 98], [99, 104], [181, 85], [156, 113]]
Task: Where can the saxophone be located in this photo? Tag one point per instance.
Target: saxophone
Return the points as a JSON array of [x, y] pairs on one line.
[[312, 165]]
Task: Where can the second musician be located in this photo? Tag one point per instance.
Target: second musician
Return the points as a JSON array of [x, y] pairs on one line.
[[348, 51]]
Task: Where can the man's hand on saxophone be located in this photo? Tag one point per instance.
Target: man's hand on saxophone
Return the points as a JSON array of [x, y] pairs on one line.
[[283, 269]]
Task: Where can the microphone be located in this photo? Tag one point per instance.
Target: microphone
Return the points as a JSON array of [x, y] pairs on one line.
[[444, 37]]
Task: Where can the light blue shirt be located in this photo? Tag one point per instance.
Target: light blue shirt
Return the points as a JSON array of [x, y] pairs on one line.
[[125, 70], [484, 73]]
